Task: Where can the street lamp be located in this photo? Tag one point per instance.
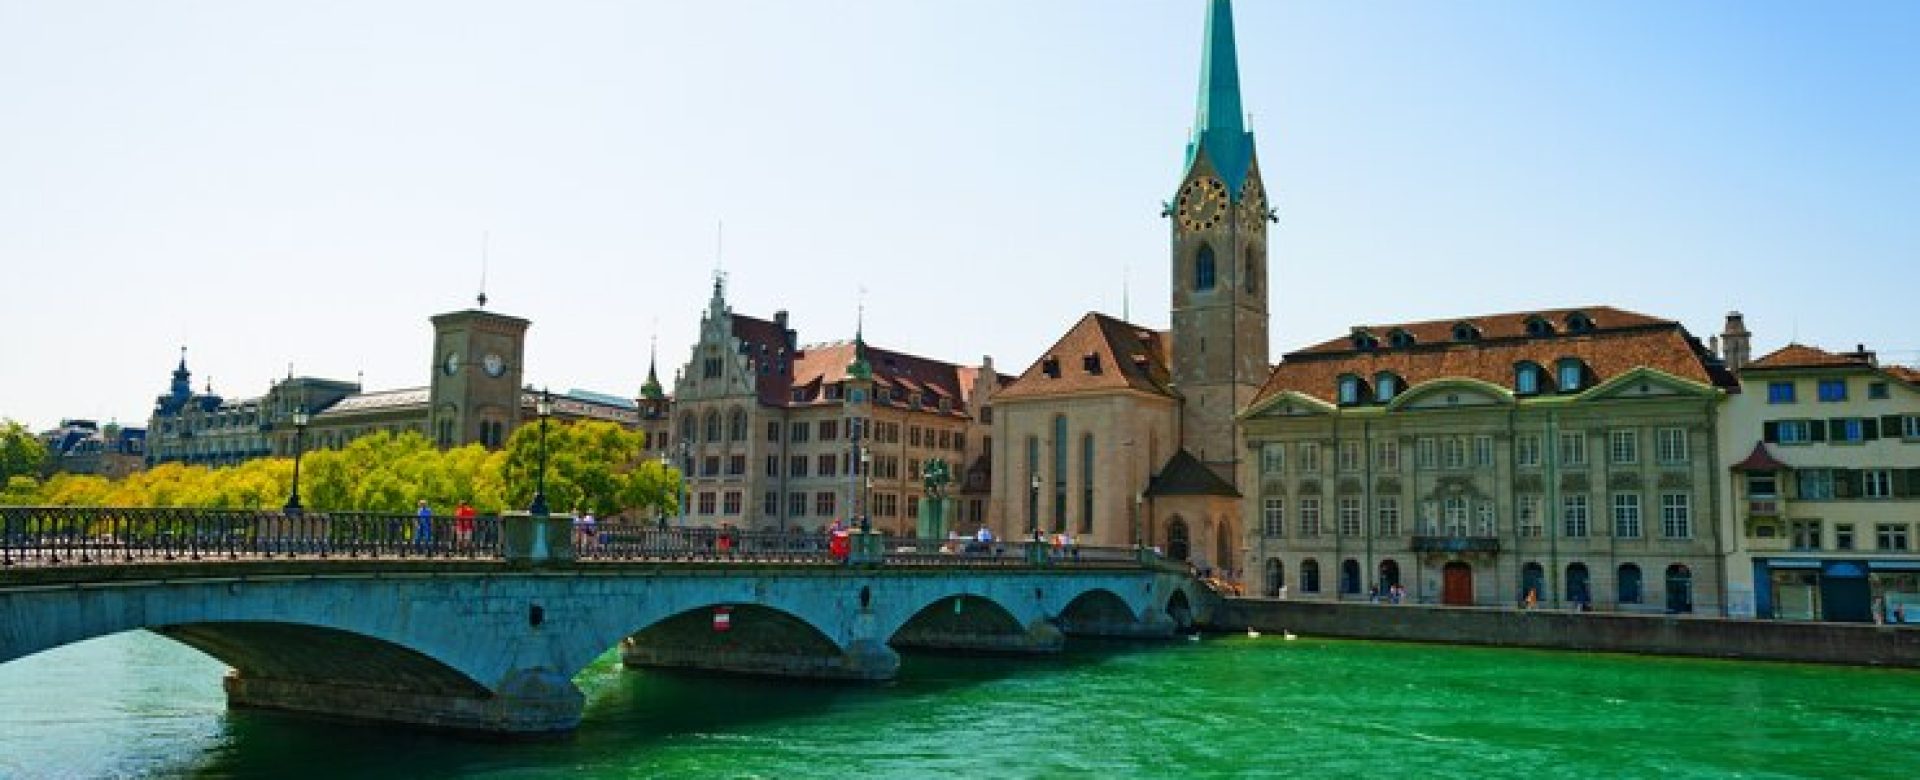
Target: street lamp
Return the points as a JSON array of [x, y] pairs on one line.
[[660, 515], [686, 470], [1133, 520], [866, 498], [544, 407], [299, 447], [1033, 506]]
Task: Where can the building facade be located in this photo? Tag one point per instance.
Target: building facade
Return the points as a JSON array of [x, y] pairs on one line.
[[87, 447], [1120, 434], [1567, 453], [1824, 450], [775, 435]]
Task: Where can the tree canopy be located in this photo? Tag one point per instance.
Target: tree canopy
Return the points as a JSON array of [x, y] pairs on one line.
[[21, 452]]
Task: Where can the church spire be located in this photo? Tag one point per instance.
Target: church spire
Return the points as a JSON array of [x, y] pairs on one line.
[[651, 390], [1219, 126], [860, 368]]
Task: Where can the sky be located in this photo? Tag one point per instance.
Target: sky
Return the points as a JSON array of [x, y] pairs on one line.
[[305, 184]]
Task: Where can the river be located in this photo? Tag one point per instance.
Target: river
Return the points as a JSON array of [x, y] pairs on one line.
[[138, 705]]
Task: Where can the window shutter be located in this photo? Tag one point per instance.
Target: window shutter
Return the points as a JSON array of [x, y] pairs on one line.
[[1846, 483], [1870, 429], [1890, 426], [1819, 429], [1770, 432]]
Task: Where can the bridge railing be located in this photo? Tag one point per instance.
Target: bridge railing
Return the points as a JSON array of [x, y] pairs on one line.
[[93, 535]]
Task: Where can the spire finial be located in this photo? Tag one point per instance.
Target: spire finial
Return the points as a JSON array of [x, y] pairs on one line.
[[482, 297]]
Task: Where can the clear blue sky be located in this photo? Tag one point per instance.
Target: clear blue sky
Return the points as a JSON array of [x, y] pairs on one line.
[[276, 182]]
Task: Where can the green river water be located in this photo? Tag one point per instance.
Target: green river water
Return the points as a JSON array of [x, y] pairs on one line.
[[138, 705]]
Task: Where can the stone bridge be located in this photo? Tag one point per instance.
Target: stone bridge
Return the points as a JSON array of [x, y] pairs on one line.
[[489, 646]]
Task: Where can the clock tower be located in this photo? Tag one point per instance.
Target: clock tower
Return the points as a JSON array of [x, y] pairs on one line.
[[475, 393], [1219, 260]]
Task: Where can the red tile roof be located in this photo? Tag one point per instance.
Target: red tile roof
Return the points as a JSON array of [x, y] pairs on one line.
[[1803, 356], [1761, 459], [1099, 353], [1619, 341], [778, 372]]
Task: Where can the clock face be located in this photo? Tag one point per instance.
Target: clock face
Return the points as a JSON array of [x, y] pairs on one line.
[[452, 365], [1203, 204], [1253, 207], [494, 364]]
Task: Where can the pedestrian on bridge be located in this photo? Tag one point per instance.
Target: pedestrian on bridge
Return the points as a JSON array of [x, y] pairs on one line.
[[463, 525], [423, 526]]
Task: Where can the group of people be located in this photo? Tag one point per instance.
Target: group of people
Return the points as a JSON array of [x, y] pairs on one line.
[[1395, 594], [1888, 613]]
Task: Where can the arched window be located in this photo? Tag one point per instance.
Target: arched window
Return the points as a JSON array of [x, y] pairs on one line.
[[737, 425], [1389, 574], [1679, 589], [1572, 373], [1309, 576], [1203, 268], [1579, 322], [1526, 378], [1350, 390], [1466, 331], [686, 428], [1629, 582], [1386, 385], [1276, 577], [1578, 591], [1364, 341], [1086, 484], [1060, 473], [1539, 327], [713, 426], [1251, 274], [1533, 580], [1179, 545], [1400, 339], [1350, 577]]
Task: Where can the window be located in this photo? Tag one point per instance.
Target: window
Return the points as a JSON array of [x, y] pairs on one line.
[[731, 504], [1791, 431], [773, 431], [1526, 515], [1579, 322], [1273, 458], [1854, 429], [1350, 456], [1623, 447], [1350, 516], [1629, 581], [1762, 485], [829, 430], [706, 503], [737, 466], [1910, 426], [1571, 374], [1429, 518], [1309, 576], [1059, 473], [1833, 390], [1453, 452], [1815, 484], [1400, 339], [1086, 483], [737, 426], [824, 464], [1310, 517], [1779, 392], [1676, 515], [1349, 390], [1526, 450], [797, 466], [913, 506], [1670, 445], [1843, 536], [1203, 268], [1423, 454], [1877, 391], [1878, 483], [823, 503], [1538, 326], [799, 432], [1573, 448], [710, 466], [1806, 534], [1626, 515], [1483, 452], [713, 426], [1387, 514], [1526, 379], [1891, 536], [1465, 331], [1485, 524], [1573, 510], [1251, 274], [1274, 517], [1309, 457], [1455, 508], [1386, 455], [1385, 387]]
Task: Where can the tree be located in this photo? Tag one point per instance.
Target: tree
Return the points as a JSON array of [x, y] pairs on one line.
[[21, 452], [594, 466]]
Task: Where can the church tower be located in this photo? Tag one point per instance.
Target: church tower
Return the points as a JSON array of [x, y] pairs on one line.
[[475, 392], [1219, 260]]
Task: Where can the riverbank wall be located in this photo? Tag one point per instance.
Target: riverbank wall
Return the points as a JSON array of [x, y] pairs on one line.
[[1709, 637]]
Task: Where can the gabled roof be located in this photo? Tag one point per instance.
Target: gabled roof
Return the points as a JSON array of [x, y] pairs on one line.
[[1761, 459], [1185, 475], [1099, 353], [1803, 356], [1618, 342]]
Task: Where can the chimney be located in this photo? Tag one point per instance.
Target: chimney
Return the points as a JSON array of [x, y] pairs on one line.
[[1737, 341], [780, 319]]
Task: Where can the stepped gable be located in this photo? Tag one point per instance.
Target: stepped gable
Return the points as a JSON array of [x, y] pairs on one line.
[[1099, 353]]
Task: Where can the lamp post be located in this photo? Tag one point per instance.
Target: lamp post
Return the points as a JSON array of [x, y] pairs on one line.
[[299, 447], [686, 470], [1033, 506], [660, 515], [1133, 520], [544, 407], [866, 497]]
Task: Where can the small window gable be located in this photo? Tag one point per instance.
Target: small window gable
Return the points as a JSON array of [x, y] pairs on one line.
[[1579, 322], [1528, 378], [1400, 339], [1386, 385], [1364, 341], [1466, 331], [1572, 374], [1353, 390], [1539, 327]]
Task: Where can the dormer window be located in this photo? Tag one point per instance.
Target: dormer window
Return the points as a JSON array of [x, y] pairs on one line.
[[1579, 322], [1352, 390], [1399, 339], [1526, 378], [1091, 362], [946, 405], [833, 392], [1385, 387], [1051, 367], [1364, 341], [799, 395], [1573, 374], [1466, 331], [1539, 327]]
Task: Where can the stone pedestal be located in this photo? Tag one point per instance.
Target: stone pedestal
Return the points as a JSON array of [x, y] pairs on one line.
[[869, 548], [530, 540]]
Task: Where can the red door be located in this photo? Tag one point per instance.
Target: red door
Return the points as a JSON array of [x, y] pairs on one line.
[[1458, 588]]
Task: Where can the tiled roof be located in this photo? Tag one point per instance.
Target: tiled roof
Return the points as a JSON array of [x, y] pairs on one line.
[[1619, 341], [378, 401], [1904, 374], [1099, 353], [1185, 475], [1803, 356], [1760, 459]]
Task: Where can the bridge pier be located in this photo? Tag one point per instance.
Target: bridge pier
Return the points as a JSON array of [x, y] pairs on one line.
[[529, 703], [1040, 637]]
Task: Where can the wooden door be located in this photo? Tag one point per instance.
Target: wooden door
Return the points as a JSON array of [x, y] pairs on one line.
[[1457, 590]]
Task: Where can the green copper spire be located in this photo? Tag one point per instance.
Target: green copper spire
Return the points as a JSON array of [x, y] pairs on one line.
[[1220, 125], [859, 368], [651, 390]]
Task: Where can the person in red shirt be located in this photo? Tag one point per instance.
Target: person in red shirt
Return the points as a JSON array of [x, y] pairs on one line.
[[463, 525]]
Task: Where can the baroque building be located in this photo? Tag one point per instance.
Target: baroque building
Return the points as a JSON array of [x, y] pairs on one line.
[[1120, 434], [1824, 486], [1568, 453], [772, 434]]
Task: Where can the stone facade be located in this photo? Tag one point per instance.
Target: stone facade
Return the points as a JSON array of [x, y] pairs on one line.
[[1570, 453], [1824, 487]]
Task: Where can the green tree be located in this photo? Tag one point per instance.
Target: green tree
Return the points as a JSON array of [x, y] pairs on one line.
[[21, 452], [595, 466]]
